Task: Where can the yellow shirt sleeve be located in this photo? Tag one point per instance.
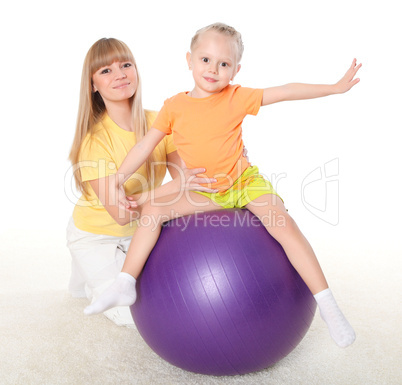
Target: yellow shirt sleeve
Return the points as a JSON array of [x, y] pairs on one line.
[[96, 160]]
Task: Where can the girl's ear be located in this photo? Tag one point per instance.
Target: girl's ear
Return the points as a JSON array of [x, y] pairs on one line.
[[188, 58], [237, 71]]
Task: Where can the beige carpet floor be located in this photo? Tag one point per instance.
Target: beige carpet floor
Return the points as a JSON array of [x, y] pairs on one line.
[[45, 338]]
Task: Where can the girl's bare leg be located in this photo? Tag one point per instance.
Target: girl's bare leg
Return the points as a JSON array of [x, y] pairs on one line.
[[122, 292], [271, 211], [150, 224]]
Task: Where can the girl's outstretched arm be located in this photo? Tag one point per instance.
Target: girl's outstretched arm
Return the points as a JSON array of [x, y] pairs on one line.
[[300, 91]]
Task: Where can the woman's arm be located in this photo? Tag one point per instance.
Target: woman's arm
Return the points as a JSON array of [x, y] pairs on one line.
[[299, 91], [131, 163], [110, 190], [110, 202], [183, 178]]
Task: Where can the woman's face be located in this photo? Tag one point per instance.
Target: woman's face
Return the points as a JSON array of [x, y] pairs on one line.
[[116, 82]]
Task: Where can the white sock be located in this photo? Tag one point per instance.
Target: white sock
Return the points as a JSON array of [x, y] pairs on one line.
[[121, 293], [339, 328]]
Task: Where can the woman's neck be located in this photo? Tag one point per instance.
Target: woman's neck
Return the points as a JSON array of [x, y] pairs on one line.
[[120, 113]]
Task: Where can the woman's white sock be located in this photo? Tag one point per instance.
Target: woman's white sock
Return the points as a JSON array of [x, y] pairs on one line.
[[339, 328], [121, 293]]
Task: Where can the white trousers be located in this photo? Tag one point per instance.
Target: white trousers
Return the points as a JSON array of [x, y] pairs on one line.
[[96, 260]]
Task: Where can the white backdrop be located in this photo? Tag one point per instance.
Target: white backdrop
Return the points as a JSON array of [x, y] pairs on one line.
[[335, 161]]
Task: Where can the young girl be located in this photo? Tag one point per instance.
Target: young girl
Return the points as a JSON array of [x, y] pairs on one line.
[[206, 128]]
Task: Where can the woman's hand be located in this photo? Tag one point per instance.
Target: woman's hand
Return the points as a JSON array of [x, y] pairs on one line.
[[348, 81], [189, 180], [184, 178], [245, 153]]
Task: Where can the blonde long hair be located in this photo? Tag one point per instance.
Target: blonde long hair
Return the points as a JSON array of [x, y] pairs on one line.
[[92, 108]]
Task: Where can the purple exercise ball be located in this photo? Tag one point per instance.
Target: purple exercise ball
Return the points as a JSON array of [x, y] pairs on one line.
[[218, 295]]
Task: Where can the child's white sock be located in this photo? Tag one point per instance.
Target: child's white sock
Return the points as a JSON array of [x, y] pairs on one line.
[[121, 293], [339, 328]]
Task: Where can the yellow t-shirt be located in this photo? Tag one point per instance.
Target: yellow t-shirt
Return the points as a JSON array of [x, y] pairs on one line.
[[100, 156], [208, 131]]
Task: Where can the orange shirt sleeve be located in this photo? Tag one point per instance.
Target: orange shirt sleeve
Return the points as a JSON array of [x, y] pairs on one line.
[[163, 121], [250, 99]]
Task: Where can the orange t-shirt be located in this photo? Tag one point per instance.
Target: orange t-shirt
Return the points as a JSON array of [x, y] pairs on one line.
[[207, 131]]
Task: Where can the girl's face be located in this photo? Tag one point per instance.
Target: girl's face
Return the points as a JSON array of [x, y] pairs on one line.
[[116, 82], [213, 62]]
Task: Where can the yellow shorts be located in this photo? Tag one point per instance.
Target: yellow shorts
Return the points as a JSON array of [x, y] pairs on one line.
[[247, 188]]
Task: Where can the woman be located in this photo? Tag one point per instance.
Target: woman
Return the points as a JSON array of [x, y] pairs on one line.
[[110, 121]]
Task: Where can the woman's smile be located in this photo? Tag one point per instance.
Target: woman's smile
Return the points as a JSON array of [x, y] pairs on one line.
[[122, 85]]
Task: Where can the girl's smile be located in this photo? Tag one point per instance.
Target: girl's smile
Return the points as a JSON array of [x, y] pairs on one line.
[[213, 62], [211, 80]]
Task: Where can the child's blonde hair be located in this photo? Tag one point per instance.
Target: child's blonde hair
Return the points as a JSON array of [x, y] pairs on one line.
[[92, 108], [225, 30]]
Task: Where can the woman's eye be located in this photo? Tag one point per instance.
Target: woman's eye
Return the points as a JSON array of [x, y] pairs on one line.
[[105, 71], [126, 65]]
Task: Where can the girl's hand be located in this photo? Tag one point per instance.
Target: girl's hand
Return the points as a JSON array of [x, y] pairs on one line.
[[117, 194], [245, 153], [124, 202], [132, 200], [189, 180], [348, 81]]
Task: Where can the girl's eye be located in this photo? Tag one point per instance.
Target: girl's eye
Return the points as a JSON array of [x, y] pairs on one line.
[[205, 59], [224, 64]]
